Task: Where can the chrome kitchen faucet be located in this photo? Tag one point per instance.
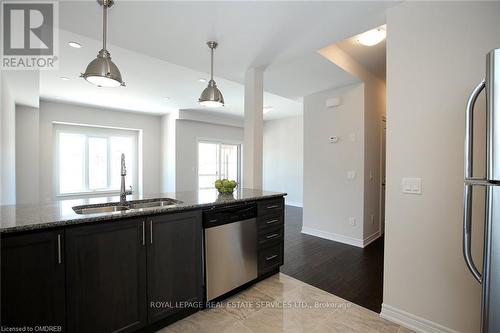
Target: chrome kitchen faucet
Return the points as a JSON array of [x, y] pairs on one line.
[[123, 192]]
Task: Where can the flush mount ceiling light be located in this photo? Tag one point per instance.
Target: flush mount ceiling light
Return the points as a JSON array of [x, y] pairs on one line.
[[211, 96], [102, 72], [75, 45], [64, 78], [372, 37], [202, 79]]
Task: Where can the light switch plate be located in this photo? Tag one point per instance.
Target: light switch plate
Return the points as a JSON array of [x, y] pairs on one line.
[[351, 175], [412, 185]]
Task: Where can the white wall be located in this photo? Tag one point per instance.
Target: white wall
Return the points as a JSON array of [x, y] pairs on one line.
[[8, 144], [149, 140], [168, 151], [187, 135], [435, 56], [27, 155], [330, 199], [283, 158], [2, 88], [374, 111]]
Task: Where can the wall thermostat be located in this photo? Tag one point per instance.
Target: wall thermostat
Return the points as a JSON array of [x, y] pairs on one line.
[[333, 102], [333, 139]]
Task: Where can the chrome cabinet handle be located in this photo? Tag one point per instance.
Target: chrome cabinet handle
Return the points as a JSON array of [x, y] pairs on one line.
[[272, 236], [59, 254], [469, 181], [143, 232], [271, 257], [272, 221], [272, 206], [150, 231]]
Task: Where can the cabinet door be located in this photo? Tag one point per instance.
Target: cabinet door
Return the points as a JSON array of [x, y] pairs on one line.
[[32, 274], [174, 263], [106, 277]]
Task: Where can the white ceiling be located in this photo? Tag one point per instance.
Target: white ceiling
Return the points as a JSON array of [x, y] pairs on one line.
[[250, 34], [370, 57], [148, 81], [304, 76], [160, 49]]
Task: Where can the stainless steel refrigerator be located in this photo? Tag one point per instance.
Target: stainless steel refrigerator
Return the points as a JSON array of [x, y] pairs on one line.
[[490, 276]]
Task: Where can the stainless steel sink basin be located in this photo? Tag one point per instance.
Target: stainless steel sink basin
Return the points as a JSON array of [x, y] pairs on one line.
[[130, 205], [102, 209], [152, 204]]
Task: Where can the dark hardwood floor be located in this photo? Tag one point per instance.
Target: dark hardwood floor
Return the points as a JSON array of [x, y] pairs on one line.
[[349, 272]]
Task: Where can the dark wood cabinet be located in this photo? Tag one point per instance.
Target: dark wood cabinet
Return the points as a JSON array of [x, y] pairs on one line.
[[119, 275], [32, 275], [106, 277], [271, 206], [174, 261], [270, 222]]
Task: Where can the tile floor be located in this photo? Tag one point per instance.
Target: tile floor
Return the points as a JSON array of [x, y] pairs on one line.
[[284, 304]]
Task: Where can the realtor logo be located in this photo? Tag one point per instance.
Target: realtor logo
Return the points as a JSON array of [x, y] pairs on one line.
[[29, 37]]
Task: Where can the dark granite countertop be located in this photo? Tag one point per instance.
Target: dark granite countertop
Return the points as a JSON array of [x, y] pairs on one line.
[[17, 218]]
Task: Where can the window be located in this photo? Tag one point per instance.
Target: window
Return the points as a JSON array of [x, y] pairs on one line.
[[217, 161], [88, 159]]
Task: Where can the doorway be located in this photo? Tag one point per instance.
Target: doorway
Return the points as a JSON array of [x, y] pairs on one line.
[[218, 160], [383, 130]]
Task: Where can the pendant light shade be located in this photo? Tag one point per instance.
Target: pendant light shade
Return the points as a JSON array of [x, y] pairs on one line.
[[102, 71], [211, 96]]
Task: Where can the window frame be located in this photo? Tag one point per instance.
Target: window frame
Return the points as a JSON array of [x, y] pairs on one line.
[[90, 131], [219, 143]]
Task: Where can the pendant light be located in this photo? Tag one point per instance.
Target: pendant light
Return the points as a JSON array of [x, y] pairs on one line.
[[211, 96], [102, 72]]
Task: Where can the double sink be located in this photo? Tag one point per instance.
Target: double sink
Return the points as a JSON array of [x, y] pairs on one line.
[[129, 205]]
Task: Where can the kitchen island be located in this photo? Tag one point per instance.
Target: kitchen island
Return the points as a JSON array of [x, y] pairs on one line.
[[136, 269]]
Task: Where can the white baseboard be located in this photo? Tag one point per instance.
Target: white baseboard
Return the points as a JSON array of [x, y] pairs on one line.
[[415, 323], [370, 239], [341, 238], [333, 237], [292, 203]]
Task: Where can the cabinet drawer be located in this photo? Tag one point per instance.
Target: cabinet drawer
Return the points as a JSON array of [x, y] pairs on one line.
[[270, 221], [270, 258], [272, 206], [270, 236]]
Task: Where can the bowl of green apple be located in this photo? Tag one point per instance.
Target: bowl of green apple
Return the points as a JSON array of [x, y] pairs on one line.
[[225, 186]]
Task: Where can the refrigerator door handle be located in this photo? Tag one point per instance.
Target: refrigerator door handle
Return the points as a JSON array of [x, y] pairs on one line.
[[469, 129], [470, 180], [467, 233]]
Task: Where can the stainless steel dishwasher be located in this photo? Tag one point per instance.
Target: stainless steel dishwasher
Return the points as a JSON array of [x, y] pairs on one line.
[[230, 248]]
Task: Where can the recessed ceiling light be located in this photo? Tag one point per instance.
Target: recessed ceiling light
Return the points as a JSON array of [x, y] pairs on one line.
[[201, 79], [75, 45], [64, 78], [267, 109], [372, 37]]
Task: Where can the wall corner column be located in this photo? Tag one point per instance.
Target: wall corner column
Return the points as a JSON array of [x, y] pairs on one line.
[[253, 128]]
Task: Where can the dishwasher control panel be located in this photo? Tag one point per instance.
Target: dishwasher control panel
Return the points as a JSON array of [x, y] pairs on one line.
[[219, 216]]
